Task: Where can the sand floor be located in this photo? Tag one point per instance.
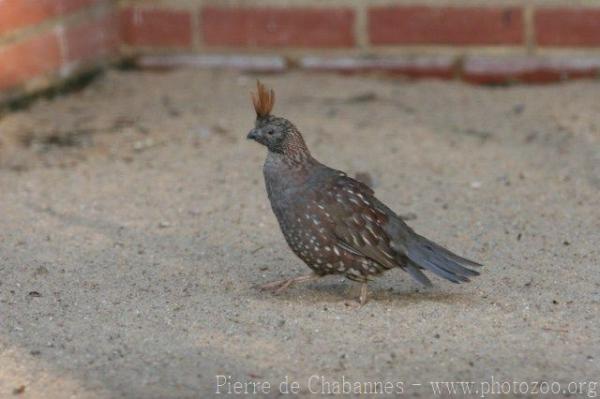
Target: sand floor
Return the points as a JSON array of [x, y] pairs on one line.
[[135, 228]]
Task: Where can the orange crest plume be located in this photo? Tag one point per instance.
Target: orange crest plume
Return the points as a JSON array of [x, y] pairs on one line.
[[263, 100]]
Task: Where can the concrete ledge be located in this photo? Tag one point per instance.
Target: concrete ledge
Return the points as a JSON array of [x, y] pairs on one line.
[[499, 70], [473, 69], [414, 67], [256, 63]]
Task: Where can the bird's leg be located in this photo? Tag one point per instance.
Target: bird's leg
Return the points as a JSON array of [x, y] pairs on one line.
[[281, 285], [363, 294], [362, 299]]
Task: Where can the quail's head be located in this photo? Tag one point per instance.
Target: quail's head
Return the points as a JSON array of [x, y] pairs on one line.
[[272, 132], [278, 134]]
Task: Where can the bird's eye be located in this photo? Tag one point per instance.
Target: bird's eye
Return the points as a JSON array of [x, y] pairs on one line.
[[270, 132]]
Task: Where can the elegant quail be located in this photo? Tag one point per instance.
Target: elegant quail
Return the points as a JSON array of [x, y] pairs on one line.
[[333, 222]]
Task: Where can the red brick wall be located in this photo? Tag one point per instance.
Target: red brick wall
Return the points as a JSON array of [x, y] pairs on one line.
[[483, 41], [45, 40]]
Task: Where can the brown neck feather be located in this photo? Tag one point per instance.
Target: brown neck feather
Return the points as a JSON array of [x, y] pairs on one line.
[[295, 150]]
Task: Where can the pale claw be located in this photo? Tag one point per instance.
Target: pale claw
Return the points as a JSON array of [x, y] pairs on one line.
[[353, 304], [281, 285], [273, 285]]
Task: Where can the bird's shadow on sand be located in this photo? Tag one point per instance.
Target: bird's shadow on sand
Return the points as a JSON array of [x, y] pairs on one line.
[[331, 290]]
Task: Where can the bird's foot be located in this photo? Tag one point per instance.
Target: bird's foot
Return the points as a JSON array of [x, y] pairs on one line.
[[352, 304], [362, 299], [281, 285]]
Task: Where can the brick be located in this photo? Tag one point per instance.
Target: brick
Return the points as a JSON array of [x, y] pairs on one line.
[[567, 26], [278, 27], [67, 6], [15, 14], [28, 59], [413, 67], [503, 70], [411, 25], [92, 40], [156, 27]]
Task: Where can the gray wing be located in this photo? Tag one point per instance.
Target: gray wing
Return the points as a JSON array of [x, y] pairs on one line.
[[356, 223], [366, 226]]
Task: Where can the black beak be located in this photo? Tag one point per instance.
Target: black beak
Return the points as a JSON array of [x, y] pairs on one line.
[[253, 134]]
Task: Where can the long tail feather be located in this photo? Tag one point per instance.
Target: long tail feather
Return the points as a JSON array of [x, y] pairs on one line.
[[437, 259], [417, 274]]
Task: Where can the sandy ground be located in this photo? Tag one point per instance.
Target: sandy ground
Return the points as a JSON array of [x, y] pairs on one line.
[[135, 229]]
